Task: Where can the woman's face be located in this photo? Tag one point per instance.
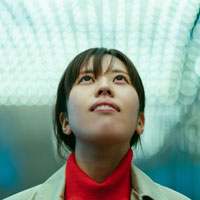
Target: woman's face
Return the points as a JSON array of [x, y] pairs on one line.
[[116, 121]]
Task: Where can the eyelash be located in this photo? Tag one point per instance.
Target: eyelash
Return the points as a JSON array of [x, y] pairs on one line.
[[93, 80]]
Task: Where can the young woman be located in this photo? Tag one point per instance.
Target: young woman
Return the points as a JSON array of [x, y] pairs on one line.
[[99, 116]]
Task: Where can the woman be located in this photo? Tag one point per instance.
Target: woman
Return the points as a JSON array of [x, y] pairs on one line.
[[99, 115]]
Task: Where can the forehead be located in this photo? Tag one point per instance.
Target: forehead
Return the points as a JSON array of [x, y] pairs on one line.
[[104, 65]]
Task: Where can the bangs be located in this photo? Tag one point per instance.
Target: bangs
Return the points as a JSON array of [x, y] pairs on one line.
[[89, 60], [93, 64]]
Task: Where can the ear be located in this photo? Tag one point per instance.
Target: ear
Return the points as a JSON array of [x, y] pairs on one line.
[[140, 125], [65, 124]]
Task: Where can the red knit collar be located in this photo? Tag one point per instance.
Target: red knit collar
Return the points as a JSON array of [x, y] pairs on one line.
[[116, 186]]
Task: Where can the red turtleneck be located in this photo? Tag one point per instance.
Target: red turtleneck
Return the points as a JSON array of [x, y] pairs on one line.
[[79, 186]]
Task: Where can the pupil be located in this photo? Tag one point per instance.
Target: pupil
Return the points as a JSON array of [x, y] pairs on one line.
[[87, 78], [119, 78]]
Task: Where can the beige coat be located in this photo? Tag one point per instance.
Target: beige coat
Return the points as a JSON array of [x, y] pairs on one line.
[[142, 185]]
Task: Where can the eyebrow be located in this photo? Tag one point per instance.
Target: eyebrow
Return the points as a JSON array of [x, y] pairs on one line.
[[113, 71], [87, 72]]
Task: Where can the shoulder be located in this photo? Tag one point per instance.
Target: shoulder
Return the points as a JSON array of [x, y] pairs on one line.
[[46, 190], [143, 185], [26, 194], [171, 194]]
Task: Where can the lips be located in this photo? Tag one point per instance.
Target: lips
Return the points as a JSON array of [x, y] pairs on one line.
[[105, 102]]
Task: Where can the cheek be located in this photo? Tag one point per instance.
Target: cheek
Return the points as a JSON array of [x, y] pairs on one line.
[[132, 107], [76, 107], [73, 113], [131, 100], [77, 110]]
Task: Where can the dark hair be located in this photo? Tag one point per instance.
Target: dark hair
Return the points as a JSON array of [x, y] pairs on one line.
[[68, 79]]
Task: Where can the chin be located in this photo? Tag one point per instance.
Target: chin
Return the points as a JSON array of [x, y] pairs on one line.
[[110, 136]]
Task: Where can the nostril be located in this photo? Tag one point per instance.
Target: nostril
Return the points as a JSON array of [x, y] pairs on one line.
[[100, 92], [104, 92]]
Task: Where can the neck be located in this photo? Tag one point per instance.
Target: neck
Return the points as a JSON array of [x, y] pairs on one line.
[[98, 162]]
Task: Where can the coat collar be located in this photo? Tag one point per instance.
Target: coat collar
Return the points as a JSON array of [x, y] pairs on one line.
[[142, 185], [54, 187]]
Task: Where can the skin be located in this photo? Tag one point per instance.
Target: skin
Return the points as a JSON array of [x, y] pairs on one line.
[[102, 138]]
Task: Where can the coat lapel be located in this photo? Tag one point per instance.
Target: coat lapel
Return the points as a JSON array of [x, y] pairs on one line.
[[54, 187], [142, 186]]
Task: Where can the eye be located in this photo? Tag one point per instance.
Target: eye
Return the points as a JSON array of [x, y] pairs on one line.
[[86, 79], [120, 78]]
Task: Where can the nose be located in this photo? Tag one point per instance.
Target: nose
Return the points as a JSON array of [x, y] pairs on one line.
[[104, 90]]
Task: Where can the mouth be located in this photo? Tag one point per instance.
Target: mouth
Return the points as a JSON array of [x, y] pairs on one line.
[[105, 106]]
